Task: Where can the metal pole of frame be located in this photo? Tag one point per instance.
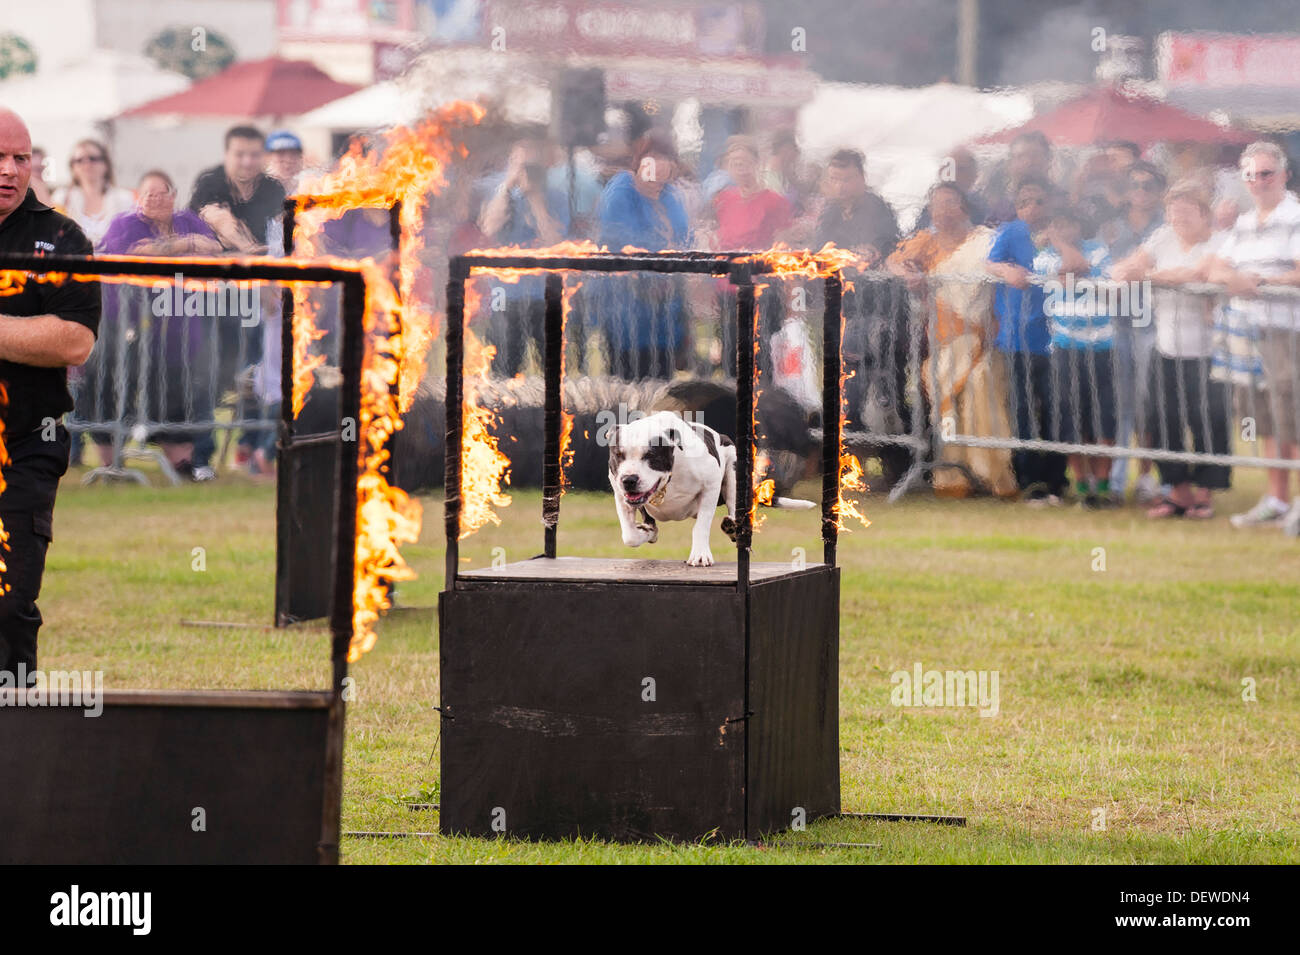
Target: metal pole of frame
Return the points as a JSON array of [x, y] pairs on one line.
[[744, 423], [554, 359], [284, 457], [395, 227], [351, 354], [458, 274], [396, 320], [832, 369]]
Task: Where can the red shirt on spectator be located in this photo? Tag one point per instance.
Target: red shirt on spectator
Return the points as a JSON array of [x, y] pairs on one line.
[[750, 223]]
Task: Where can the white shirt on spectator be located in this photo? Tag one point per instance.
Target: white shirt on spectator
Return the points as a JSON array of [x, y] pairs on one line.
[[1268, 250], [1183, 320], [116, 201]]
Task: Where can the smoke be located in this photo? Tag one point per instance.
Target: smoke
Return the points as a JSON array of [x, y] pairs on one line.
[[1053, 45]]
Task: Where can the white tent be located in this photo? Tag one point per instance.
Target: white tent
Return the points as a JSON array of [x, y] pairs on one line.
[[375, 107], [430, 82], [904, 132], [73, 101]]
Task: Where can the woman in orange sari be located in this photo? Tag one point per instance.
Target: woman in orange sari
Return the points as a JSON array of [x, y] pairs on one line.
[[964, 377]]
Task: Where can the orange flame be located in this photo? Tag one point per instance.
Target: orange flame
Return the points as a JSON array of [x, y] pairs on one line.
[[822, 264], [763, 489], [560, 250], [850, 468], [850, 480], [304, 333], [386, 516], [408, 168], [484, 468], [566, 419]]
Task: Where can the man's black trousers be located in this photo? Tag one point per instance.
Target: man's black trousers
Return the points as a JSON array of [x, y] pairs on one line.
[[37, 461]]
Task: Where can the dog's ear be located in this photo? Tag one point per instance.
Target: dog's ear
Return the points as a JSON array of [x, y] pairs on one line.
[[615, 453]]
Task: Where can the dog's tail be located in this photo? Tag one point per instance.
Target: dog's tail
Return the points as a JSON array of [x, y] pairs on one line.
[[791, 503]]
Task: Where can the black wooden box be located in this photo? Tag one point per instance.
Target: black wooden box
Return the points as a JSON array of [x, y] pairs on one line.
[[632, 699], [169, 777]]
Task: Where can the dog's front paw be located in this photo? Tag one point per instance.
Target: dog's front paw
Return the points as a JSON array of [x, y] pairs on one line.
[[651, 532], [635, 537], [729, 528], [700, 558]]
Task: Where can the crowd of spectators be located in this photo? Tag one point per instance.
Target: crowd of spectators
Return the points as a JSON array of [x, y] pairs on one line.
[[185, 362], [1002, 358]]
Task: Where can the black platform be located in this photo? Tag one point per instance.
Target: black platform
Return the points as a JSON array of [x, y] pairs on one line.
[[166, 777], [546, 730]]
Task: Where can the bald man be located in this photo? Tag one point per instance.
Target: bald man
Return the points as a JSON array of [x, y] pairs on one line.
[[44, 329]]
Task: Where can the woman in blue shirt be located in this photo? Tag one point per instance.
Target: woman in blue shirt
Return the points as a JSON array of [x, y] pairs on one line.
[[643, 315]]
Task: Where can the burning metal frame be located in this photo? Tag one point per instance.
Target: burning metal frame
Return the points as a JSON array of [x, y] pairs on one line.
[[741, 270], [97, 821], [302, 529], [537, 740]]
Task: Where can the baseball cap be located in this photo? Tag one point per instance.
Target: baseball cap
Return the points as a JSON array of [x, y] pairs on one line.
[[282, 139]]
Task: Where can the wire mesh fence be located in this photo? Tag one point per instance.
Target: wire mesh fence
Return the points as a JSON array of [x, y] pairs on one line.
[[943, 386]]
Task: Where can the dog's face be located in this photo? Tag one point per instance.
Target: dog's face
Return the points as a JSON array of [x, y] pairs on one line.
[[641, 457]]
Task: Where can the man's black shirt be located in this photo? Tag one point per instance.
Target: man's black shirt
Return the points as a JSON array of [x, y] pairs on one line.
[[866, 220], [39, 393], [266, 202]]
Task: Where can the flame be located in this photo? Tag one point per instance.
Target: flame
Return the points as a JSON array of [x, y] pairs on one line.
[[566, 419], [304, 333], [762, 489], [850, 467], [824, 263], [560, 250], [386, 516], [13, 282], [408, 167], [820, 264], [850, 480], [484, 469]]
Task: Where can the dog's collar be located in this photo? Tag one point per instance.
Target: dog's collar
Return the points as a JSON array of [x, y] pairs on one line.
[[657, 497]]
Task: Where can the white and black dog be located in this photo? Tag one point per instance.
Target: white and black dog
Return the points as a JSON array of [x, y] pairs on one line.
[[674, 470]]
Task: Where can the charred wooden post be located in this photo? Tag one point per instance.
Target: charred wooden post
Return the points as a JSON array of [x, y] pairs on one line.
[[832, 369], [744, 423], [552, 477], [458, 275]]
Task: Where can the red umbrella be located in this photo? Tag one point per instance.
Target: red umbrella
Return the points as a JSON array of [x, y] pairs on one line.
[[270, 87], [1106, 114]]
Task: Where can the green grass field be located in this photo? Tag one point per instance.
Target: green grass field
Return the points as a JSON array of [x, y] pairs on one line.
[[1121, 689]]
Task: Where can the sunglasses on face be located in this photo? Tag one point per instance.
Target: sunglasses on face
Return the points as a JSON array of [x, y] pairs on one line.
[[1262, 175]]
